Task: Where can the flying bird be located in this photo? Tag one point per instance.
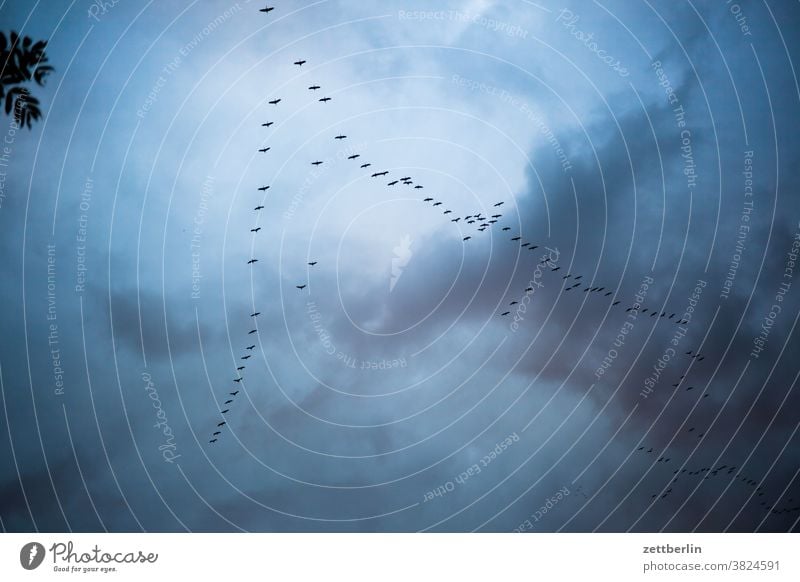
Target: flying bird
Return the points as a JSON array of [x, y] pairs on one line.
[[299, 63], [427, 199], [267, 9], [365, 165], [324, 99], [313, 263], [392, 183], [340, 137], [251, 261], [240, 368], [437, 203], [456, 219], [263, 188], [255, 229], [354, 156], [246, 357], [504, 313], [447, 212], [516, 238], [274, 101], [224, 411], [499, 204], [264, 150], [313, 87], [317, 163], [222, 423], [376, 174], [467, 237], [300, 286], [252, 331], [256, 314], [213, 440], [267, 124], [247, 348], [416, 187], [233, 393], [258, 208]]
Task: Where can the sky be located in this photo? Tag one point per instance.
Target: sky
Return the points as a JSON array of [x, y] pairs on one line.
[[645, 148]]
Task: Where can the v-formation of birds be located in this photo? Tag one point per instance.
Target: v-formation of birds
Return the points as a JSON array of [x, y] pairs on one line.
[[570, 282]]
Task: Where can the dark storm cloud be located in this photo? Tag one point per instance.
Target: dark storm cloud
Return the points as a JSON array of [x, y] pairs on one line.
[[327, 433]]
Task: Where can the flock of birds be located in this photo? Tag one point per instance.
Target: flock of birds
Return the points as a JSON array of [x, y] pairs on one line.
[[480, 222]]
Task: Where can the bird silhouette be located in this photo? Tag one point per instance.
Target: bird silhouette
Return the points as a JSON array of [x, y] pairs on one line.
[[325, 99], [249, 348], [392, 183], [317, 163], [274, 101], [267, 9], [264, 150], [251, 261], [376, 174], [255, 314], [255, 229], [429, 199], [313, 87], [258, 208], [252, 331], [267, 124], [340, 137], [223, 423], [213, 440], [263, 188], [467, 237], [246, 357], [313, 263], [354, 156], [504, 313], [299, 63], [300, 286], [233, 393], [437, 203], [365, 165], [224, 411], [499, 203]]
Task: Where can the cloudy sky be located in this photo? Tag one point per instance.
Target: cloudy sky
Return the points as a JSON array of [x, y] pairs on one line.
[[645, 148]]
